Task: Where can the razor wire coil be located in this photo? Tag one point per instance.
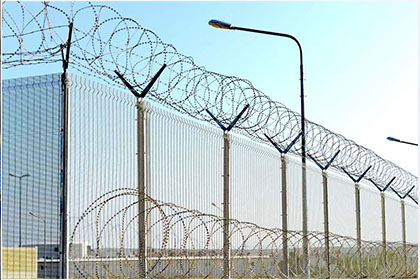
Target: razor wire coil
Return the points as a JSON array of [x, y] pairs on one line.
[[34, 34], [256, 252]]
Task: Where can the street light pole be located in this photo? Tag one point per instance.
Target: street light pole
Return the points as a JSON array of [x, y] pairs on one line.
[[45, 241], [20, 203], [224, 25]]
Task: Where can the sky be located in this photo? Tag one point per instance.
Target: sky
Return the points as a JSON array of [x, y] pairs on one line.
[[360, 60]]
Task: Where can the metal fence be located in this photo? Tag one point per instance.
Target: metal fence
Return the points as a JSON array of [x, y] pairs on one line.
[[184, 206], [167, 196]]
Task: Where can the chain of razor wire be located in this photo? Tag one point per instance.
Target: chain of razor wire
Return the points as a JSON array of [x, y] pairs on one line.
[[104, 40]]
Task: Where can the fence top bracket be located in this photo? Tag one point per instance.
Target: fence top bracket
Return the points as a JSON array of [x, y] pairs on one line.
[[232, 124], [323, 168], [360, 177], [281, 151], [146, 89], [67, 45]]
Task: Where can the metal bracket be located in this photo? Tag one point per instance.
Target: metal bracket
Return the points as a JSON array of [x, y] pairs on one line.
[[67, 46], [152, 81], [232, 124], [386, 186], [412, 198], [396, 192], [389, 184], [287, 148], [408, 192], [146, 89], [323, 168], [404, 196], [360, 177]]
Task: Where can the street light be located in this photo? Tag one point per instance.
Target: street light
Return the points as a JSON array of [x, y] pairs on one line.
[[20, 203], [45, 242], [217, 207], [400, 141], [224, 25]]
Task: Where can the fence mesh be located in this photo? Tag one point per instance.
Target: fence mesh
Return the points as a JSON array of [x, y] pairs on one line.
[[184, 167], [184, 225]]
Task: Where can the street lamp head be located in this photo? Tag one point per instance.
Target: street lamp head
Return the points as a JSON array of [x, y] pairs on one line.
[[31, 213], [220, 24], [17, 176], [393, 139]]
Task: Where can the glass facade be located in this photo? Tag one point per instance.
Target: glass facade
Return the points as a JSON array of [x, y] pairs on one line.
[[30, 175]]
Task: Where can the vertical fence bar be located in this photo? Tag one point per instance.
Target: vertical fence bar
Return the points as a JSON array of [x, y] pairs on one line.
[[285, 266], [404, 236], [140, 105], [326, 222], [226, 206], [383, 230], [358, 226], [305, 223]]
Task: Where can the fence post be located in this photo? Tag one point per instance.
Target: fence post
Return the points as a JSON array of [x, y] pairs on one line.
[[64, 154], [404, 237], [383, 218], [143, 170], [140, 105], [226, 214], [383, 230], [285, 266], [226, 197], [305, 222], [326, 222], [358, 226], [148, 183], [358, 220], [325, 201], [64, 179]]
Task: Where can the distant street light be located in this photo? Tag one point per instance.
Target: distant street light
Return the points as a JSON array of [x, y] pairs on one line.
[[20, 203], [224, 25], [45, 241], [218, 208], [400, 141]]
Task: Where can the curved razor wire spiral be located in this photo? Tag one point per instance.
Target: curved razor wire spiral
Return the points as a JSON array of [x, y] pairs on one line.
[[104, 40], [190, 246]]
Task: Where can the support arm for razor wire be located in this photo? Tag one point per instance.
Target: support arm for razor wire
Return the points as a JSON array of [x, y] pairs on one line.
[[358, 218], [226, 188], [141, 164], [285, 263], [326, 212], [64, 154]]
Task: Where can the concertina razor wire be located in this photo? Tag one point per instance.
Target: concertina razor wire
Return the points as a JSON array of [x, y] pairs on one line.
[[189, 246], [103, 40]]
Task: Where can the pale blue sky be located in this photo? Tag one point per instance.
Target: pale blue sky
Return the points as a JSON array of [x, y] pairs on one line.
[[361, 60]]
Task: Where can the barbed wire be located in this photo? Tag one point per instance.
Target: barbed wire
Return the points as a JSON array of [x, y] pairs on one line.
[[104, 40], [188, 243]]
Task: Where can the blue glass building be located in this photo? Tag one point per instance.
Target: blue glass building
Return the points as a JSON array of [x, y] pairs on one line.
[[31, 146]]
